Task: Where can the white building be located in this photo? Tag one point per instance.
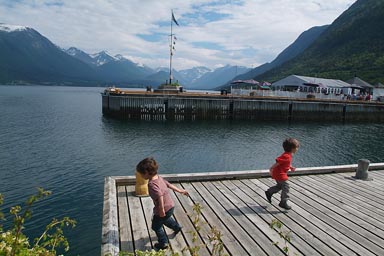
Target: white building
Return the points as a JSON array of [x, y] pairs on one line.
[[378, 92], [313, 84]]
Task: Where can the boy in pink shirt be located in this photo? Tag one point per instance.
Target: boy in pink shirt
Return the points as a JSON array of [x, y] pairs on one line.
[[164, 205], [279, 172]]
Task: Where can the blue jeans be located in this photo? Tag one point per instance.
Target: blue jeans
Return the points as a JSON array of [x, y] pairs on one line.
[[167, 220]]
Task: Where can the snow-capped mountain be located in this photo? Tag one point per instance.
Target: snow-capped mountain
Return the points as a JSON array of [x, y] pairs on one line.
[[102, 58], [12, 28], [96, 59], [184, 77], [217, 77], [193, 74], [201, 78], [79, 54], [27, 56]]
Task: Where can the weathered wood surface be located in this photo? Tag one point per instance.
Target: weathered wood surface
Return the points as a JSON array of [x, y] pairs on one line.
[[332, 214], [110, 230]]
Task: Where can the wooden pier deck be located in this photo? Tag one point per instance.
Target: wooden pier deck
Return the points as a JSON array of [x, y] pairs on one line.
[[332, 213]]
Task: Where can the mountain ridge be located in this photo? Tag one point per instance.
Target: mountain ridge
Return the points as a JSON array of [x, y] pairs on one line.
[[29, 56], [352, 45], [303, 41]]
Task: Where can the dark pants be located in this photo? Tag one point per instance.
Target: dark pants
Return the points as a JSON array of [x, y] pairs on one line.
[[284, 187], [167, 220]]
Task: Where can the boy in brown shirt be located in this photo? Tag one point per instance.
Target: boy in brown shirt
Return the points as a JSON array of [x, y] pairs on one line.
[[164, 205]]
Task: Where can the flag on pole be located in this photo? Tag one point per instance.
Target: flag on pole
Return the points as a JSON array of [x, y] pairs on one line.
[[174, 20]]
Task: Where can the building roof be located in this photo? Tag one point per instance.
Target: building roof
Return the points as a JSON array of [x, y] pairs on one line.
[[359, 82], [295, 80], [250, 82]]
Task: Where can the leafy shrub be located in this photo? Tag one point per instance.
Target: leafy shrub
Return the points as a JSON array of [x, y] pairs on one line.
[[14, 242]]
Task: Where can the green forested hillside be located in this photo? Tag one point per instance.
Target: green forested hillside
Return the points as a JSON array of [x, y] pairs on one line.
[[352, 45]]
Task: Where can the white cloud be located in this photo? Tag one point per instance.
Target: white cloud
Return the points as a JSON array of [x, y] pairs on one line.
[[253, 31]]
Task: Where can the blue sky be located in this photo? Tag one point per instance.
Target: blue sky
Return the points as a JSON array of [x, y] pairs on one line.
[[211, 33]]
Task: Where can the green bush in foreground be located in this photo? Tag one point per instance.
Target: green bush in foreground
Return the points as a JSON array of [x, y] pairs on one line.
[[14, 242]]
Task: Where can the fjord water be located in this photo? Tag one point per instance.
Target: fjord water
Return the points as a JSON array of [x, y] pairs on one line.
[[58, 139]]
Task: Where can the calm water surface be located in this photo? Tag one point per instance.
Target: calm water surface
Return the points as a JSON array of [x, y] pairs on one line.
[[57, 138]]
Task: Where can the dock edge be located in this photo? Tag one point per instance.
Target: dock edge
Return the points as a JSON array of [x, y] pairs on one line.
[[110, 229]]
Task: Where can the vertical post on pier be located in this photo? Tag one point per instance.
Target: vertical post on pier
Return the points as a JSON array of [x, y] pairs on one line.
[[290, 112], [141, 186], [362, 169], [344, 112], [231, 113]]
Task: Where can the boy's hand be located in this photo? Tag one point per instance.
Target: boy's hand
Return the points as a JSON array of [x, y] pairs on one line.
[[184, 192], [293, 168]]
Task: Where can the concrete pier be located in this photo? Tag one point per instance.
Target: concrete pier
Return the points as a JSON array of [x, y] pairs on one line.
[[190, 106]]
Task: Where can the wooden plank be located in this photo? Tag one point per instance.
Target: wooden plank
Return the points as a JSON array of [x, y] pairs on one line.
[[302, 230], [377, 178], [126, 241], [306, 222], [231, 243], [368, 185], [377, 174], [367, 188], [110, 229], [370, 234], [317, 219], [176, 243], [203, 228], [227, 219], [257, 213], [331, 194], [179, 244], [139, 225], [358, 190], [256, 227], [353, 231], [147, 205]]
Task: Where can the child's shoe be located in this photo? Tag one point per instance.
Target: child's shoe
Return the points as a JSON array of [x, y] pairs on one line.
[[269, 196], [159, 246], [285, 205], [176, 231]]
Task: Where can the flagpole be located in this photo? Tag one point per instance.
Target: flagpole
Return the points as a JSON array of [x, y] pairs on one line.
[[171, 52]]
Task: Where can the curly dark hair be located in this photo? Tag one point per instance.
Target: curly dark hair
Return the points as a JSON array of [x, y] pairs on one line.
[[290, 143], [147, 165]]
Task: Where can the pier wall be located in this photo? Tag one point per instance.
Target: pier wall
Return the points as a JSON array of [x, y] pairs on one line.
[[177, 107]]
